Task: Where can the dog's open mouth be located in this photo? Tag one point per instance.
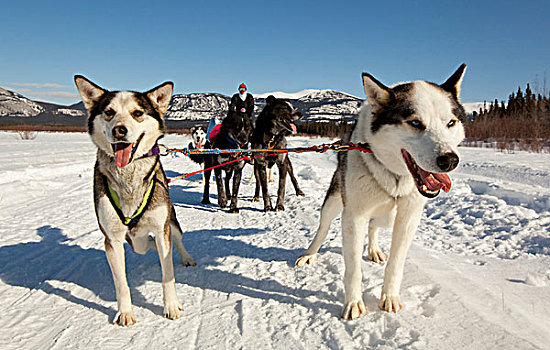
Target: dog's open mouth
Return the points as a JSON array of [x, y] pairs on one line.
[[428, 184], [288, 125], [124, 152]]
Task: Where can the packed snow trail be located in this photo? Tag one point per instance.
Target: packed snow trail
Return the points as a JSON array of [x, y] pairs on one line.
[[477, 275]]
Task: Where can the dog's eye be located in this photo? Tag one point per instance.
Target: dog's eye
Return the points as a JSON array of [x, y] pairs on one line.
[[417, 124], [137, 114], [451, 123], [109, 112]]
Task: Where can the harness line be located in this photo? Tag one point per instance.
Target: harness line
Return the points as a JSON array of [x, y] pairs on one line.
[[337, 146]]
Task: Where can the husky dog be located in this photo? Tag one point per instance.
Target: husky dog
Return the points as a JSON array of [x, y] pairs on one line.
[[234, 133], [198, 141], [413, 130], [130, 188], [274, 123]]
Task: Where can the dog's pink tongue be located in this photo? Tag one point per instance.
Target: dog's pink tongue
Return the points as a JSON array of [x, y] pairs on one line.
[[435, 181], [294, 129], [122, 154], [445, 180]]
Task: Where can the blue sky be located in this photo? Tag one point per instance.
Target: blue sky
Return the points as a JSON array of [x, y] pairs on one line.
[[212, 46]]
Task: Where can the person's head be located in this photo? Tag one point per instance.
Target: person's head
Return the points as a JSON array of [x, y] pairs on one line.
[[242, 88]]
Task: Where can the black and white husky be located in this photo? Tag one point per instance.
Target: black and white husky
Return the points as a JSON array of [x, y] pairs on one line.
[[130, 188], [413, 130], [198, 141]]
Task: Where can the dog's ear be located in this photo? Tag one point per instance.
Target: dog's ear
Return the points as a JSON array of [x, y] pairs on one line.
[[377, 93], [270, 100], [452, 84], [160, 96], [89, 92], [193, 128]]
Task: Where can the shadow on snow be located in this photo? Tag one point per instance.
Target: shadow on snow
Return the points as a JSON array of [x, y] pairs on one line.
[[34, 265]]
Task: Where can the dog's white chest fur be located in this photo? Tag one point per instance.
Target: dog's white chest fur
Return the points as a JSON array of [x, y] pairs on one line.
[[128, 182]]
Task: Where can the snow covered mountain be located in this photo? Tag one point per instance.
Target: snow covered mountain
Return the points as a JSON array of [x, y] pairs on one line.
[[15, 105], [470, 107], [316, 105], [197, 108]]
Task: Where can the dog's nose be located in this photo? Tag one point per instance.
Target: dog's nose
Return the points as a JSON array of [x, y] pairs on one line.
[[447, 161], [119, 131]]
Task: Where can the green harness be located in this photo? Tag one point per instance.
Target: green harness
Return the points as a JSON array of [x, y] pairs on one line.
[[133, 220]]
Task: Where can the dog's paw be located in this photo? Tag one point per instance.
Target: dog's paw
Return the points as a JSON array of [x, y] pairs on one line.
[[268, 208], [353, 310], [280, 207], [172, 310], [377, 256], [205, 201], [188, 261], [306, 260], [271, 180], [390, 303], [125, 319], [222, 203], [300, 193], [255, 199], [234, 211]]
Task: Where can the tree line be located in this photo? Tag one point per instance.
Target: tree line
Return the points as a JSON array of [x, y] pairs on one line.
[[324, 128], [522, 122]]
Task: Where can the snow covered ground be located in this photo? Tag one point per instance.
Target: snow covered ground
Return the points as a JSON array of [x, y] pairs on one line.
[[477, 275]]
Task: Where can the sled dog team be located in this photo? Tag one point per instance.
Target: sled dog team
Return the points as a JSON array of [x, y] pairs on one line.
[[413, 130]]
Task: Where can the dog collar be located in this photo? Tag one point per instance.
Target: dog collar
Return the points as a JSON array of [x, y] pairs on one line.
[[133, 220], [155, 151]]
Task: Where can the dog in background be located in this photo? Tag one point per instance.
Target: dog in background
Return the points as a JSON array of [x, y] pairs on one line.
[[130, 187], [234, 133], [274, 123], [413, 130], [198, 141]]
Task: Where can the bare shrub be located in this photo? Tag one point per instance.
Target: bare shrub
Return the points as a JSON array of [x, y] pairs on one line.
[[28, 135]]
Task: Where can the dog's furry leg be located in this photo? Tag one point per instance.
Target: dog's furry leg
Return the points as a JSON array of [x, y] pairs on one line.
[[207, 173], [262, 174], [222, 199], [176, 232], [115, 256], [282, 185], [353, 238], [293, 178], [172, 306], [256, 197], [409, 211], [236, 183], [375, 254], [332, 206], [228, 175]]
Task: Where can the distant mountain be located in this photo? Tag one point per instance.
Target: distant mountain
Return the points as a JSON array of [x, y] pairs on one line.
[[470, 107], [326, 105], [186, 110], [17, 109], [316, 105], [15, 105], [197, 107]]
